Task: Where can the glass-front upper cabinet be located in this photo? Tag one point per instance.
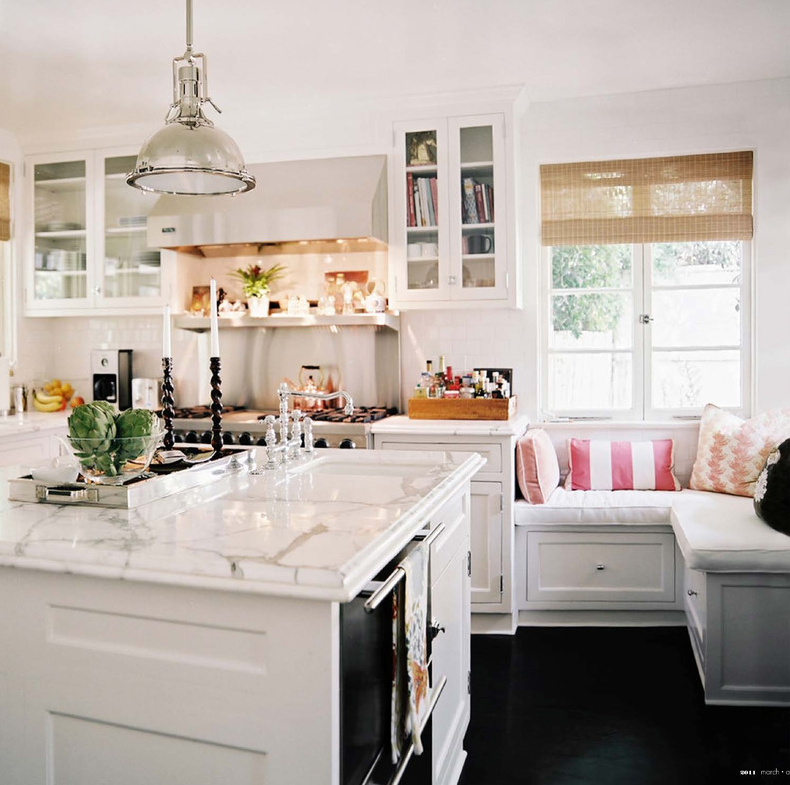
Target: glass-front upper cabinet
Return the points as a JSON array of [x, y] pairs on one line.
[[61, 225], [449, 242], [129, 267], [87, 243]]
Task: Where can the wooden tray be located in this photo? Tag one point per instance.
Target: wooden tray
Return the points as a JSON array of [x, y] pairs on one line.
[[462, 408]]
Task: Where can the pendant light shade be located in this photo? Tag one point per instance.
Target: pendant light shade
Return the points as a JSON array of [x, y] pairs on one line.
[[189, 156]]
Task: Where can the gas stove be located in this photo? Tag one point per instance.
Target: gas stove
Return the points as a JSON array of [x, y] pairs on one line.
[[331, 427]]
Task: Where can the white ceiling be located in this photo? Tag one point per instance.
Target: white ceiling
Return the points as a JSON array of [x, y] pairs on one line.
[[80, 64]]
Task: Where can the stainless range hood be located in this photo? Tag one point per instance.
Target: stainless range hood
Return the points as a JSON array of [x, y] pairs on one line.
[[298, 207]]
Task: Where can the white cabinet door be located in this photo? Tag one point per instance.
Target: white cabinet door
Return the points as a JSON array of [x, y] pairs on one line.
[[486, 538], [59, 232], [451, 658]]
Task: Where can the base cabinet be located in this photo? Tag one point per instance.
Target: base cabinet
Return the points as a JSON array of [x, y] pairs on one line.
[[29, 448], [491, 510], [739, 625]]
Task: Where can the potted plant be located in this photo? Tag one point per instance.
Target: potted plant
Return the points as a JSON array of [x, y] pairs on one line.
[[255, 283]]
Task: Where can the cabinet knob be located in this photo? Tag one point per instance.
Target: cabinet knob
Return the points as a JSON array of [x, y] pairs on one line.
[[600, 566], [451, 279], [691, 593], [96, 290]]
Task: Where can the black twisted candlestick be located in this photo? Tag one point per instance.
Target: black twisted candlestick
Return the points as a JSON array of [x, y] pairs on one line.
[[168, 401], [216, 404]]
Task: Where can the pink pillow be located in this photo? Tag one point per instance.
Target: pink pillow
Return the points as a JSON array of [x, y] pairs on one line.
[[621, 466], [732, 452], [537, 467]]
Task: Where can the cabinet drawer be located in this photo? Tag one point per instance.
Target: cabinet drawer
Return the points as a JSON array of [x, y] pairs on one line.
[[695, 603], [580, 567], [452, 515], [492, 453]]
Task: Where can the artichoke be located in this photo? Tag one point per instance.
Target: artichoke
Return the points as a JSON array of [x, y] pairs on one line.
[[133, 430], [91, 432]]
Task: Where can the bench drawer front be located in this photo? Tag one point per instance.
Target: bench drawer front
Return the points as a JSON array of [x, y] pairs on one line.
[[577, 567]]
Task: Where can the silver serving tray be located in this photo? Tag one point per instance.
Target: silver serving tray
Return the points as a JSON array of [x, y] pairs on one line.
[[141, 490]]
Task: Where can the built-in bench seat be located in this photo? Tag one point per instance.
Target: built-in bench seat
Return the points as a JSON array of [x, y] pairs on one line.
[[629, 556]]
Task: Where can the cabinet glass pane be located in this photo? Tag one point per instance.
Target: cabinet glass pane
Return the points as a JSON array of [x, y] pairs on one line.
[[476, 145], [422, 213], [131, 268], [60, 239]]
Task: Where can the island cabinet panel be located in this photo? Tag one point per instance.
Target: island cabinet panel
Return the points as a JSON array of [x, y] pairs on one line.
[[164, 684], [450, 610]]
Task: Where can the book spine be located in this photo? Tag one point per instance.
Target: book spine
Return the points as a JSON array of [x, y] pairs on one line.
[[486, 203], [426, 202], [491, 201], [470, 206], [435, 197], [418, 218], [411, 218], [479, 200]]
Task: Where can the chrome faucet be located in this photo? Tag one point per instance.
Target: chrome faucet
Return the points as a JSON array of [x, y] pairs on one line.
[[291, 439]]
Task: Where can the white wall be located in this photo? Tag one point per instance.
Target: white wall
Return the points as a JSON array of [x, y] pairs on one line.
[[752, 115]]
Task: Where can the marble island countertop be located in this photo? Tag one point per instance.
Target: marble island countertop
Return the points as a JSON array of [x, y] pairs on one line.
[[320, 530], [33, 422]]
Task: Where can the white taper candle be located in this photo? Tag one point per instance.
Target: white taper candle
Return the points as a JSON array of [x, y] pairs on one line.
[[214, 323], [167, 350]]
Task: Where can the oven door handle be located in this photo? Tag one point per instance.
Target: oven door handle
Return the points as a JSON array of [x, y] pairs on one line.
[[396, 576], [435, 695]]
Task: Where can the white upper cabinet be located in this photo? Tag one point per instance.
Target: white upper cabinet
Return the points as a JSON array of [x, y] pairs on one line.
[[86, 249], [449, 240]]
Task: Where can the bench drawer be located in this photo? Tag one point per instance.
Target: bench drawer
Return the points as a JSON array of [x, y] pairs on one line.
[[582, 567]]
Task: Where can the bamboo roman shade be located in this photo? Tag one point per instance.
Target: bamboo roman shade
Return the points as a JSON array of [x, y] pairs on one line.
[[5, 202], [648, 200]]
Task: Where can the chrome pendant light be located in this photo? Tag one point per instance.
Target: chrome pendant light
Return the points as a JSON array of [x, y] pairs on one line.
[[189, 155]]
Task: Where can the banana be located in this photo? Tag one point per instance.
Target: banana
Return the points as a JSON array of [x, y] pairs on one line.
[[44, 398], [52, 406]]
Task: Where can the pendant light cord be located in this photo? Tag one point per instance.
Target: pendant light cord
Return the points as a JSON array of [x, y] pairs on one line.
[[189, 27]]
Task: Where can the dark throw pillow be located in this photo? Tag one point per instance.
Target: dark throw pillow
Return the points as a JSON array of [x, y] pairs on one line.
[[772, 492]]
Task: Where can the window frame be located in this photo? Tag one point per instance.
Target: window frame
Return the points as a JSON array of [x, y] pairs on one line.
[[643, 408]]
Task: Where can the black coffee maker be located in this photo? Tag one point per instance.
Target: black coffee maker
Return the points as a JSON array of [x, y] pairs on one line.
[[112, 376]]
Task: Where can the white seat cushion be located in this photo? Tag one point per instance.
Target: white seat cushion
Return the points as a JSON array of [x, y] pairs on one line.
[[601, 507], [721, 533]]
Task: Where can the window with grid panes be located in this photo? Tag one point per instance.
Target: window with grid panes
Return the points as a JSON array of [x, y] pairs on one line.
[[647, 281]]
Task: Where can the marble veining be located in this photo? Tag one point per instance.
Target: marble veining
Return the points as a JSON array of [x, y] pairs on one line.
[[321, 529]]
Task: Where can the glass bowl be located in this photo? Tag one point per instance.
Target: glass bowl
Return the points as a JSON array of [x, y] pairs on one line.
[[114, 461]]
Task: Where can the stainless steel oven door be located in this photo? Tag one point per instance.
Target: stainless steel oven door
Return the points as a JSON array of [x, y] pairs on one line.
[[366, 667]]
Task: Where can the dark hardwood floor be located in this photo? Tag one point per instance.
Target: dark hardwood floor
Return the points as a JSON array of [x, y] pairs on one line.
[[613, 706]]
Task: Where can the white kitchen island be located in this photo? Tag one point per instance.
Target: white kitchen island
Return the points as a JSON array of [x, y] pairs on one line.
[[196, 639]]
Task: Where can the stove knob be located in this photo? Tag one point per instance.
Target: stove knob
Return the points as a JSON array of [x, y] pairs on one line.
[[228, 438], [205, 437], [245, 439], [321, 443], [261, 442], [347, 444], [191, 437]]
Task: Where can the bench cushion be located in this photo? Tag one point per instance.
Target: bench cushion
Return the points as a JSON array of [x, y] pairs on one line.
[[721, 533], [601, 507]]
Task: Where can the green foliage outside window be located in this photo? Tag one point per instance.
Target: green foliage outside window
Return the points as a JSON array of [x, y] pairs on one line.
[[584, 267]]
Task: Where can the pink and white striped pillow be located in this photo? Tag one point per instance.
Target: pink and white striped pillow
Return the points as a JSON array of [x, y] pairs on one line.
[[621, 466]]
